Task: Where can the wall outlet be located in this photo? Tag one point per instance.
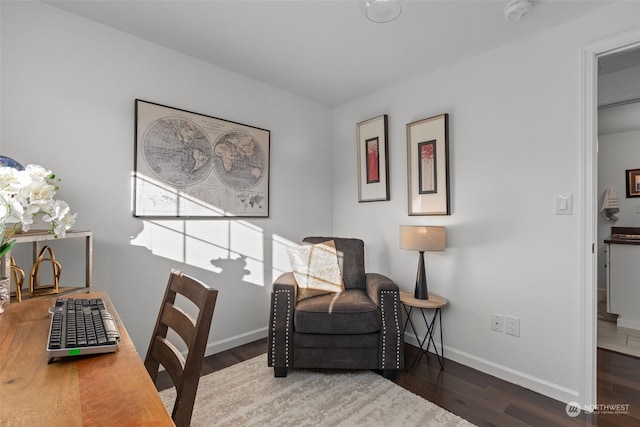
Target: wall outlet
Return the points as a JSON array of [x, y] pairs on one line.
[[512, 326], [497, 322]]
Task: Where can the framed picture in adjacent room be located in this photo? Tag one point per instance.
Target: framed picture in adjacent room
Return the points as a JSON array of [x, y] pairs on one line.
[[633, 183], [373, 159], [428, 166], [189, 165]]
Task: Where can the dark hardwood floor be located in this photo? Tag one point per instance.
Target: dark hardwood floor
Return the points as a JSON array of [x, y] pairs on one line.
[[488, 401]]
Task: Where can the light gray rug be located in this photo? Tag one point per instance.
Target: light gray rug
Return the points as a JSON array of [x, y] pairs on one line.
[[247, 394]]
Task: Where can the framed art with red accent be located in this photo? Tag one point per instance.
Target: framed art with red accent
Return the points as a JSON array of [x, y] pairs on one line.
[[633, 182], [428, 166], [373, 160]]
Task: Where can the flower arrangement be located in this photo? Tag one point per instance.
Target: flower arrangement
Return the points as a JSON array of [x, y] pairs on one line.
[[25, 195]]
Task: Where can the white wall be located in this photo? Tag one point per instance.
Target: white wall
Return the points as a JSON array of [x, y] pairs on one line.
[[514, 145], [68, 87], [68, 91], [617, 87]]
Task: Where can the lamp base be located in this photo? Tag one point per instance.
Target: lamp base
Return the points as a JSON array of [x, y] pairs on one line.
[[421, 291]]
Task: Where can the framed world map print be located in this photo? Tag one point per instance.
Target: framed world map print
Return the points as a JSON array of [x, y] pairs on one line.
[[189, 165]]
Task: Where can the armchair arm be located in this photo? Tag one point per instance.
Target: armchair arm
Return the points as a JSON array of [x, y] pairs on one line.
[[377, 282], [386, 294], [283, 300]]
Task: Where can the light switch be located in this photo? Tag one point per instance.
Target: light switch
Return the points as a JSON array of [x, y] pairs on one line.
[[564, 204]]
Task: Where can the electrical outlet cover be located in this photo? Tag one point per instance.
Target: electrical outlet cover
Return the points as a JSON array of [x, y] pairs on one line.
[[512, 326], [497, 322]]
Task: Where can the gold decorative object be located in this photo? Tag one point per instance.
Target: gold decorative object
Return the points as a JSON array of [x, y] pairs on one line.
[[52, 288], [18, 278]]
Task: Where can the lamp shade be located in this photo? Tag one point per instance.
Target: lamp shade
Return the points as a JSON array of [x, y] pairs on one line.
[[423, 238]]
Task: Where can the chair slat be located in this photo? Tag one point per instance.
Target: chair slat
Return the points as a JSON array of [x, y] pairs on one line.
[[170, 357], [178, 320]]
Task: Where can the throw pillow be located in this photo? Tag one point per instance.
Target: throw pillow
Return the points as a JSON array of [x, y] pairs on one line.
[[316, 269]]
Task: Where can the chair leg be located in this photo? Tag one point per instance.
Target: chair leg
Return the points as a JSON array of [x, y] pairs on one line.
[[389, 373], [280, 372]]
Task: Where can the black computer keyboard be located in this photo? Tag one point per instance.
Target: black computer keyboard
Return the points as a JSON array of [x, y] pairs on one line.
[[81, 326]]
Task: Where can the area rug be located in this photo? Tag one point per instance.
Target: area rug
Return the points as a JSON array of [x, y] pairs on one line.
[[247, 394]]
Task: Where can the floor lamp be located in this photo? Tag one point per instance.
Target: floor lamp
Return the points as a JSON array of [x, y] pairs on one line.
[[422, 239]]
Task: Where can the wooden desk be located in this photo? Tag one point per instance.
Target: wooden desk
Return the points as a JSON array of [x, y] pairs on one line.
[[98, 390]]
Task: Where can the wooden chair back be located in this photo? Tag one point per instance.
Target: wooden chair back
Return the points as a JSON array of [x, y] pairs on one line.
[[184, 371]]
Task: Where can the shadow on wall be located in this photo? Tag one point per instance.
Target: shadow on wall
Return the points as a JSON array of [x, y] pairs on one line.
[[235, 249], [235, 269]]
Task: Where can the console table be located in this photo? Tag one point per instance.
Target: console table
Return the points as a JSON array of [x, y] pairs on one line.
[[36, 238]]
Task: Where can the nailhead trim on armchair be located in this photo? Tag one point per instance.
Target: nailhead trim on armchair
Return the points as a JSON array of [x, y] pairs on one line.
[[275, 336], [393, 327]]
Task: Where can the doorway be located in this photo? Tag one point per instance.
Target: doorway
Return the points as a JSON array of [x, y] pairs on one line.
[[589, 238], [618, 151]]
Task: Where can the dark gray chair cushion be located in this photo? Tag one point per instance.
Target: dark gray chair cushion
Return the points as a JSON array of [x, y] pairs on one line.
[[348, 312]]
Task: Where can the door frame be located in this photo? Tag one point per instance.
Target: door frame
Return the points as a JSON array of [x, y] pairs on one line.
[[589, 174]]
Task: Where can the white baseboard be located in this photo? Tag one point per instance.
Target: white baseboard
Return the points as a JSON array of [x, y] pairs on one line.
[[527, 381], [235, 341], [626, 323]]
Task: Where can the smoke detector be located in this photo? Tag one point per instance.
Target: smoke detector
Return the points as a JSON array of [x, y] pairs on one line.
[[517, 9]]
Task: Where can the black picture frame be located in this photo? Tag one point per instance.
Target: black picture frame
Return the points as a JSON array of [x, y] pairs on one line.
[[190, 165], [372, 138], [428, 166], [632, 182]]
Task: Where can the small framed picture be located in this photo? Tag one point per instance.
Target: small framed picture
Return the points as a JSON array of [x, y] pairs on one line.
[[428, 166], [633, 183], [373, 159]]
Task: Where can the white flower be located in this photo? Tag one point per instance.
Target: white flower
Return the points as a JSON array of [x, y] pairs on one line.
[[61, 218], [26, 194]]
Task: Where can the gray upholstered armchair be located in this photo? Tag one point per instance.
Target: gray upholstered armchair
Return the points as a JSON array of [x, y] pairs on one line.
[[360, 328]]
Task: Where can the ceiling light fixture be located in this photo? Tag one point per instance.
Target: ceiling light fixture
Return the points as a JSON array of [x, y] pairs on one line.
[[517, 9], [381, 11]]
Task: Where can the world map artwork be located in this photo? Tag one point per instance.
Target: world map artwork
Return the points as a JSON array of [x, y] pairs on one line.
[[239, 160], [177, 151], [197, 165]]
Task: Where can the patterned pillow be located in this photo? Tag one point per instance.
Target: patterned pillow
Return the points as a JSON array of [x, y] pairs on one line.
[[316, 269]]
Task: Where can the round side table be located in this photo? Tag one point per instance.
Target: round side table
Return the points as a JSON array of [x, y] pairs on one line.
[[435, 303]]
